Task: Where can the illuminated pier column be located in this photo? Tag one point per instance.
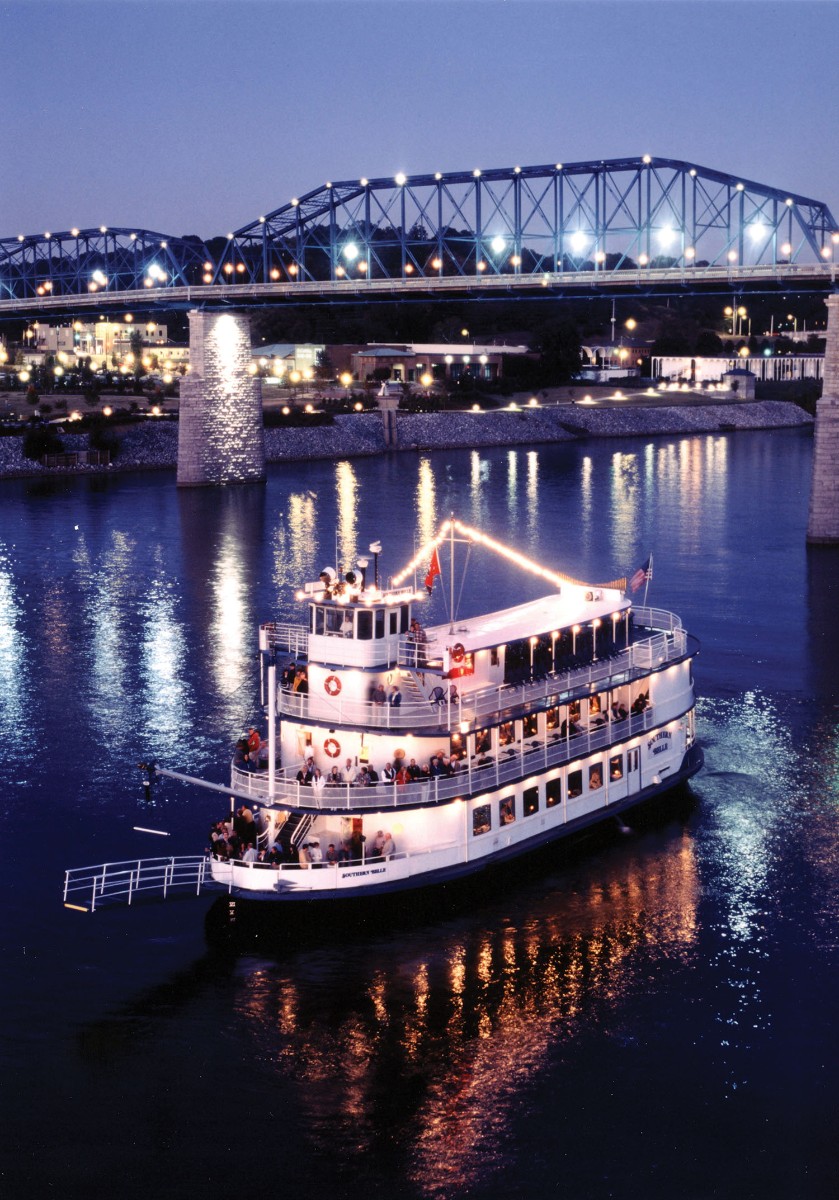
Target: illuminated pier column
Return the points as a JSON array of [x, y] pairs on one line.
[[220, 434], [823, 525]]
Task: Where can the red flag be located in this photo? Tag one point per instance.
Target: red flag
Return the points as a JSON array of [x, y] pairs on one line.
[[433, 571]]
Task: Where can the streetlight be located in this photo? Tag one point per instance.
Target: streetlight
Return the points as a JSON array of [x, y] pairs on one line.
[[346, 381]]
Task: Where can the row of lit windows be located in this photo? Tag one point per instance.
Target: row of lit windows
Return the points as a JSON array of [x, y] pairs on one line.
[[591, 777]]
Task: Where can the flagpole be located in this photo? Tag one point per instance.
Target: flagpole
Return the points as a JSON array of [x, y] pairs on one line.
[[649, 574], [451, 571]]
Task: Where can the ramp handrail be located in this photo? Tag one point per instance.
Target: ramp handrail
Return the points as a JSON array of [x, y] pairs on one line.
[[122, 881]]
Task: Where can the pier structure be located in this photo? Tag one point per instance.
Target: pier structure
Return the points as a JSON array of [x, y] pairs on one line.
[[220, 433], [823, 523]]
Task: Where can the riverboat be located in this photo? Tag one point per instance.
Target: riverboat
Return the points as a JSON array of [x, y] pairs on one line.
[[400, 756]]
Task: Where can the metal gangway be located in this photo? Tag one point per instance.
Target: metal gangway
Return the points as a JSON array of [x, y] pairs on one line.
[[89, 888]]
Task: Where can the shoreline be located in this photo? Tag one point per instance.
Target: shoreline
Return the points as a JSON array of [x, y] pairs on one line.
[[154, 447]]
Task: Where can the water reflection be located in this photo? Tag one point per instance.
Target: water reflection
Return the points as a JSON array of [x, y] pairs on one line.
[[532, 492], [445, 1030], [426, 503], [346, 487], [293, 542], [14, 680]]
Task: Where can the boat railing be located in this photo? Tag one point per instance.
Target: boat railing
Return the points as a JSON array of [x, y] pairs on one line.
[[479, 773], [283, 636], [447, 705], [88, 888]]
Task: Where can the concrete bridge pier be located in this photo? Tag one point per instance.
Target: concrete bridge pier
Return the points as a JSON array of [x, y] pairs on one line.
[[220, 434], [823, 523]]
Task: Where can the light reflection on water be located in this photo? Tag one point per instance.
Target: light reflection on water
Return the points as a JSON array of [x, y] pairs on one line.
[[449, 1028], [627, 999]]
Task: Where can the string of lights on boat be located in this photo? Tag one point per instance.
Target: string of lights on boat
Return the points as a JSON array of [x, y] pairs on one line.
[[517, 225]]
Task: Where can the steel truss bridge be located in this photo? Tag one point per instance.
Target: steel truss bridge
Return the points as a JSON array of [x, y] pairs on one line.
[[637, 223]]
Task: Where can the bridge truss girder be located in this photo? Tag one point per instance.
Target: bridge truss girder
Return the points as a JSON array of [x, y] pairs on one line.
[[593, 219], [79, 262]]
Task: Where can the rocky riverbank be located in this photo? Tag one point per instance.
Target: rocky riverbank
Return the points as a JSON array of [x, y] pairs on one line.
[[154, 445]]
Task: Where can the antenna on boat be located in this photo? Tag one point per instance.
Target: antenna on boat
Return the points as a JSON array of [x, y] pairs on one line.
[[375, 550]]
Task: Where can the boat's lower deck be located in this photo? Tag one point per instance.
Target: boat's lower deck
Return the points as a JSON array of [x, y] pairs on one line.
[[328, 855]]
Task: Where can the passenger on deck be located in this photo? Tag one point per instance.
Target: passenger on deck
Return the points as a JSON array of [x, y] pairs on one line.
[[349, 772], [378, 843], [254, 742], [315, 854], [619, 712], [334, 778], [344, 853], [318, 782], [403, 776], [331, 855], [395, 697], [288, 676], [388, 847], [388, 773], [414, 770], [301, 683]]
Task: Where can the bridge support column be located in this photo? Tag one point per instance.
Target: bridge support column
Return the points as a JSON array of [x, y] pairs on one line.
[[823, 524], [388, 406], [220, 435]]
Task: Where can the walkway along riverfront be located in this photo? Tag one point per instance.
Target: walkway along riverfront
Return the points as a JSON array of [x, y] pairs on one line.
[[154, 444]]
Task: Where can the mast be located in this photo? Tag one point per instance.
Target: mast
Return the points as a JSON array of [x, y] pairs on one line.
[[451, 572]]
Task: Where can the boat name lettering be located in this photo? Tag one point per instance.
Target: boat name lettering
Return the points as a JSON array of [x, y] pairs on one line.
[[373, 871], [660, 742]]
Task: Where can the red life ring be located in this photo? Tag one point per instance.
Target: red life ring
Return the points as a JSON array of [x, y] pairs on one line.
[[332, 685], [332, 748], [458, 652]]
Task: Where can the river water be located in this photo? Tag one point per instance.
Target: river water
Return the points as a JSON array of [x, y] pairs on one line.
[[651, 1014]]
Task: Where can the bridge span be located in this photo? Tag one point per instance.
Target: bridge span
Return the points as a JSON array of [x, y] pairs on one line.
[[610, 225]]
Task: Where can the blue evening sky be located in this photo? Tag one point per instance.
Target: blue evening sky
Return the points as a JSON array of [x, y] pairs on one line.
[[196, 116]]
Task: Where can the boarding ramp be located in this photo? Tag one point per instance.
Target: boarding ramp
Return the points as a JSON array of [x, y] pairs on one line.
[[89, 888]]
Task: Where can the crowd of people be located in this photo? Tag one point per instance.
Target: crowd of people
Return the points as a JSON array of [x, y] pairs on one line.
[[236, 839]]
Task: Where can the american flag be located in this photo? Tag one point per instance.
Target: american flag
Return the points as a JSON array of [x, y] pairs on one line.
[[643, 575]]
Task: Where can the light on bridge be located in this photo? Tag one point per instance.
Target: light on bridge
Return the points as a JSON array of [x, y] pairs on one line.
[[665, 237], [643, 259], [578, 241], [497, 245], [74, 232], [350, 252], [786, 249], [400, 179]]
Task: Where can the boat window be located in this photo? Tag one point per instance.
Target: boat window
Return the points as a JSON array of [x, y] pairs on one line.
[[553, 793], [457, 745], [364, 628], [507, 810], [483, 741], [530, 725], [530, 801], [552, 718], [380, 622], [493, 657], [506, 733], [335, 620], [595, 776], [616, 767], [594, 705], [393, 626], [404, 614], [481, 819], [574, 710], [317, 616], [575, 784]]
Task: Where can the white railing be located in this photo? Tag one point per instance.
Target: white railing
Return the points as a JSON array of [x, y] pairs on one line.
[[89, 887], [294, 638], [473, 708], [479, 774]]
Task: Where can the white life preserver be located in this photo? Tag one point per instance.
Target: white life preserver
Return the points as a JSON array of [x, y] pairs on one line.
[[332, 685], [332, 747]]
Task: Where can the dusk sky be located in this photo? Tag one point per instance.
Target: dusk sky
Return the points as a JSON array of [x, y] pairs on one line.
[[197, 117]]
